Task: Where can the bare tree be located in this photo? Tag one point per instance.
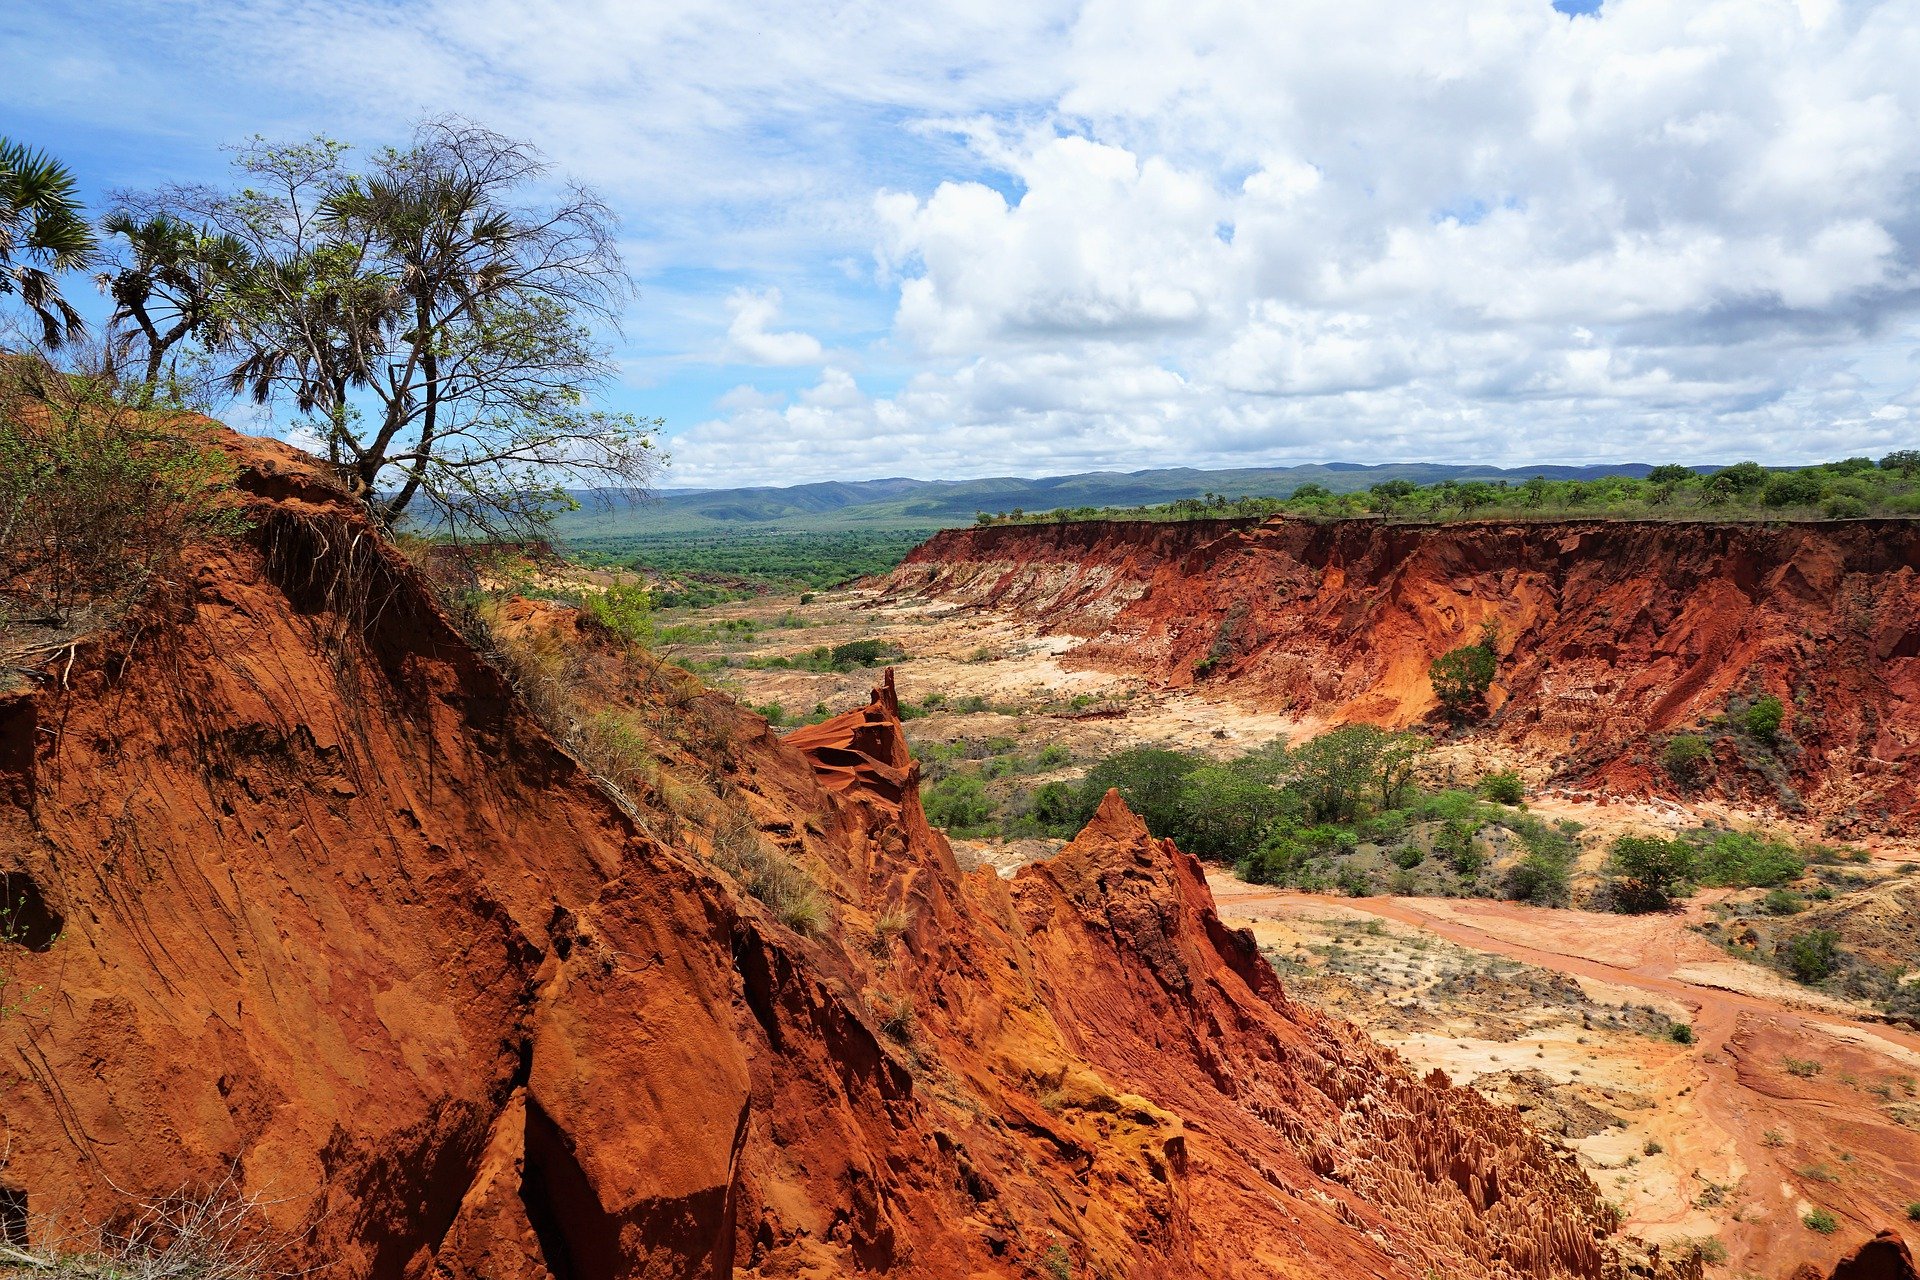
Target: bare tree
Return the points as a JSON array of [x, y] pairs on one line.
[[431, 319]]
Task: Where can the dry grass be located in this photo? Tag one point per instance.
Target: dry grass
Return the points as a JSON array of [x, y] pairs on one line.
[[203, 1233], [774, 879]]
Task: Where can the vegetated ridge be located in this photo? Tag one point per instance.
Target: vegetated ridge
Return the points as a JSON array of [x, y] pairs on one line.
[[1612, 637], [318, 908], [931, 504]]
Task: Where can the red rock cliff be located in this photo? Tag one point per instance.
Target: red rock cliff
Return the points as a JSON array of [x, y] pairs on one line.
[[330, 915], [1612, 633]]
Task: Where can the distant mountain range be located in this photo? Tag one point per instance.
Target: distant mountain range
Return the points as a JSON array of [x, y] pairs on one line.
[[901, 504]]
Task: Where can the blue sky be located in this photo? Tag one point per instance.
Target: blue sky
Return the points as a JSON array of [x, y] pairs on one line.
[[986, 237]]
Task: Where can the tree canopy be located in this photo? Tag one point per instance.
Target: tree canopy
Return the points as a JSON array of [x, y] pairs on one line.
[[43, 232], [429, 317]]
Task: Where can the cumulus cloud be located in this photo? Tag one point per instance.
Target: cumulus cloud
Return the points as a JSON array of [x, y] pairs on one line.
[[749, 340], [1122, 233]]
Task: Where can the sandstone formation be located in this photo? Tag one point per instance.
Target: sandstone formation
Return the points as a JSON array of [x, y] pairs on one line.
[[1613, 634], [327, 917], [1885, 1257]]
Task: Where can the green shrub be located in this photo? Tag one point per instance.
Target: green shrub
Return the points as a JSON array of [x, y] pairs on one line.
[[862, 653], [1739, 860], [1502, 788], [1820, 1220], [1783, 902], [1686, 757], [1913, 1211], [1540, 879], [1814, 955], [1763, 720], [625, 609], [1407, 857], [1680, 1033], [1056, 809], [1455, 843], [1646, 872], [1845, 507], [97, 499], [1462, 676], [1792, 489], [1354, 882], [958, 803]]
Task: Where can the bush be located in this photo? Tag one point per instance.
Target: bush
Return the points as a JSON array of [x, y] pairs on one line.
[[786, 889], [958, 803], [1814, 955], [625, 609], [1055, 808], [1783, 902], [1680, 1033], [1737, 481], [1540, 879], [1502, 788], [1764, 718], [1913, 1211], [1738, 860], [1647, 872], [1820, 1220], [1462, 676], [97, 498], [862, 653], [1686, 757], [1455, 843], [1792, 489]]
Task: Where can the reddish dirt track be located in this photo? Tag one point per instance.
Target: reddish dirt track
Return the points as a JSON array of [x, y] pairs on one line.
[[1735, 1076]]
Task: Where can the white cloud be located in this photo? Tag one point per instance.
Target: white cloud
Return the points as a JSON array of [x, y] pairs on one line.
[[1127, 233], [749, 340]]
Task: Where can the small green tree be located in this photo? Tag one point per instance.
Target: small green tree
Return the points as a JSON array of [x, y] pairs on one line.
[[1503, 788], [1462, 676], [1792, 489], [1904, 461], [1334, 772], [1646, 872], [1150, 779], [1540, 879], [626, 610], [1763, 720], [1739, 481], [958, 803]]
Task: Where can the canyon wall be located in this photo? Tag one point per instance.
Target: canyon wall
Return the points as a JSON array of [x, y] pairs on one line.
[[324, 918], [1612, 634]]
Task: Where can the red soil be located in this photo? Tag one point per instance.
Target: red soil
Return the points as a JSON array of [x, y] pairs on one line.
[[1611, 633], [1736, 1086], [338, 919]]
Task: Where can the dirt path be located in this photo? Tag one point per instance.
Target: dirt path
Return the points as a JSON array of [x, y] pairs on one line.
[[1779, 1107]]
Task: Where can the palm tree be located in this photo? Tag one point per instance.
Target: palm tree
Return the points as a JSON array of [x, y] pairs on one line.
[[170, 285], [42, 233]]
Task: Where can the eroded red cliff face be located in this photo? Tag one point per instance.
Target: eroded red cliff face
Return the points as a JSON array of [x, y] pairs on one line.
[[1612, 633], [338, 919]]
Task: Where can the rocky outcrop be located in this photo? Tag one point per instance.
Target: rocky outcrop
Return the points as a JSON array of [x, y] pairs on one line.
[[1885, 1257], [1612, 634], [327, 915]]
